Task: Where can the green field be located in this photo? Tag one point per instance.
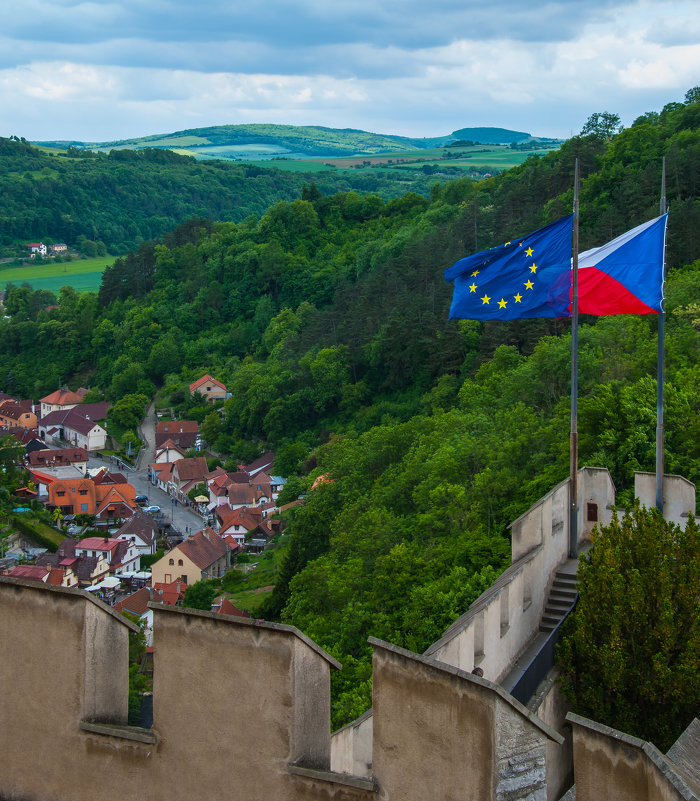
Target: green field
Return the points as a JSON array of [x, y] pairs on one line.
[[83, 275]]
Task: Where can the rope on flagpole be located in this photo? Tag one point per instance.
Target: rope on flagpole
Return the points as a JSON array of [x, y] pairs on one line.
[[660, 368], [573, 445]]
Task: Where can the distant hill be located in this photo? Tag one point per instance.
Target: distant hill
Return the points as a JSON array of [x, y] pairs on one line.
[[254, 142]]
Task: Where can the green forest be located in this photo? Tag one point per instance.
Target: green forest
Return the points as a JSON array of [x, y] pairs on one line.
[[326, 318], [125, 197]]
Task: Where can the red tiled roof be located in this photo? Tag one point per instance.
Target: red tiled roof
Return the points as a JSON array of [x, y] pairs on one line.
[[58, 456], [192, 468], [242, 493], [61, 397], [31, 572], [169, 594], [204, 548], [136, 603], [177, 427], [222, 606], [206, 379], [97, 544]]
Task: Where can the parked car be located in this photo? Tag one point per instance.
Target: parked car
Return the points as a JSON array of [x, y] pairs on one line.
[[141, 500], [151, 510]]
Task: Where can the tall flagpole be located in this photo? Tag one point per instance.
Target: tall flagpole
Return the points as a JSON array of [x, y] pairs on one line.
[[660, 370], [573, 445]]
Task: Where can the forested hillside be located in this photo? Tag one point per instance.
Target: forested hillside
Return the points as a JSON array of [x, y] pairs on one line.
[[125, 197], [326, 317]]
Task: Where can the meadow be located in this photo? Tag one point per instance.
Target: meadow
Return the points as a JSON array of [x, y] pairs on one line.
[[84, 275]]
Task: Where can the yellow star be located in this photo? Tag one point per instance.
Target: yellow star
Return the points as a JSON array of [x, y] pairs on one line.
[[529, 285], [517, 298], [520, 244], [472, 288], [533, 267], [502, 304], [528, 252], [507, 243], [485, 300], [475, 273]]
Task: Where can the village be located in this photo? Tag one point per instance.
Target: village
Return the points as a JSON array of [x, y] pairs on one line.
[[132, 534]]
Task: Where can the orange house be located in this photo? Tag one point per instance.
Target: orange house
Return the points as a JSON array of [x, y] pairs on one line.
[[17, 414], [82, 495]]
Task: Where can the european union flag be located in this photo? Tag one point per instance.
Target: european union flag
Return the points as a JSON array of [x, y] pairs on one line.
[[529, 277]]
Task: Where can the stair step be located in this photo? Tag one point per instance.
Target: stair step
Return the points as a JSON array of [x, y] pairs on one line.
[[556, 609], [563, 596]]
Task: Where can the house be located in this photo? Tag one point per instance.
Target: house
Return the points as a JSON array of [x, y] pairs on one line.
[[242, 495], [121, 555], [240, 521], [27, 437], [141, 530], [60, 400], [60, 457], [187, 473], [79, 571], [17, 414], [37, 247], [183, 433], [209, 388], [161, 474], [201, 556], [59, 247], [77, 426], [108, 496], [263, 462], [168, 452]]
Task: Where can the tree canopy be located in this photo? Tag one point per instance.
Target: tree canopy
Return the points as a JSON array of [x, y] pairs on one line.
[[630, 654]]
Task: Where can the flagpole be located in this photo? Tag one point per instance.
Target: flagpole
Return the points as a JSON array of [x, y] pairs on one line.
[[660, 370], [573, 445]]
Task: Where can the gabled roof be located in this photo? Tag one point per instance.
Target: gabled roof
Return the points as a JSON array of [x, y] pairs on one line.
[[164, 470], [204, 548], [222, 606], [61, 397], [104, 477], [139, 525], [243, 516], [77, 419], [136, 603], [177, 427], [31, 572], [205, 379], [191, 469], [169, 594], [242, 494], [261, 463], [14, 409], [58, 456], [170, 446], [98, 544]]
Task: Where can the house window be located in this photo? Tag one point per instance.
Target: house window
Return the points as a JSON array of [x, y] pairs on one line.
[[184, 578], [82, 492], [179, 562], [592, 512], [171, 561], [83, 507], [60, 494]]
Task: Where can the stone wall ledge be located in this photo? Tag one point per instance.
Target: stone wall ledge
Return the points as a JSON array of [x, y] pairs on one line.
[[346, 779], [122, 732]]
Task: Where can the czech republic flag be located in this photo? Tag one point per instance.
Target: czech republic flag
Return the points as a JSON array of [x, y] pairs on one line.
[[626, 276]]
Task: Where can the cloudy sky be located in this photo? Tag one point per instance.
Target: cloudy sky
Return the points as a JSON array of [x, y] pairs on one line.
[[101, 70]]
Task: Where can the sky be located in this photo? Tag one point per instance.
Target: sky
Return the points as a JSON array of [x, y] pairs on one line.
[[100, 70]]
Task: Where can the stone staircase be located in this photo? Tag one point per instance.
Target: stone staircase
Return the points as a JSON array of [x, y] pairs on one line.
[[561, 599]]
